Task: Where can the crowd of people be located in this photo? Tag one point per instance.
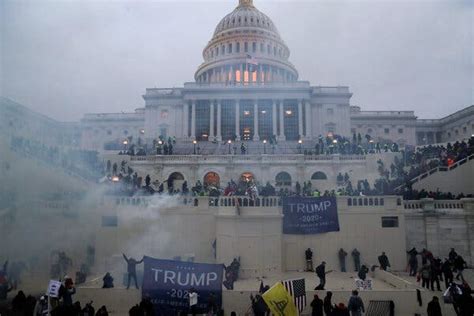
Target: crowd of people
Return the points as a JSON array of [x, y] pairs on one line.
[[434, 270]]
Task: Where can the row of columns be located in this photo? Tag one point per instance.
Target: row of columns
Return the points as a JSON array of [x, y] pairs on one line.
[[256, 137], [227, 74]]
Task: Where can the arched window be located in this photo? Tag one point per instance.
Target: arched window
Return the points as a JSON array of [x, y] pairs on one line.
[[283, 179], [318, 175], [175, 181], [212, 178]]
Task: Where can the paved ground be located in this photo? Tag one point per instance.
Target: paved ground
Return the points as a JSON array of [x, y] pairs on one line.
[[334, 281]]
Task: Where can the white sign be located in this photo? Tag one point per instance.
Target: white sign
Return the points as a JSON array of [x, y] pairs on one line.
[[363, 284], [53, 288]]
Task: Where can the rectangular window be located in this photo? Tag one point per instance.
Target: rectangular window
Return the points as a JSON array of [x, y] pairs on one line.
[[254, 47], [268, 49], [386, 130], [237, 48], [217, 51], [109, 221], [246, 47], [389, 221], [230, 48], [261, 47], [400, 131]]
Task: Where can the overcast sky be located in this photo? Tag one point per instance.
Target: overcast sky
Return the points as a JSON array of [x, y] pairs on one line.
[[67, 58]]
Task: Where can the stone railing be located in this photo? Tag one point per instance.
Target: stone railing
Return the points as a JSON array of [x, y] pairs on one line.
[[442, 169], [245, 158], [430, 204], [346, 202]]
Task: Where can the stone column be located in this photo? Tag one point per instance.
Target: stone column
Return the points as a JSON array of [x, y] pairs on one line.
[[274, 118], [232, 75], [282, 125], [237, 119], [307, 115], [185, 120], [211, 122], [300, 118], [219, 134], [256, 136], [242, 74], [193, 120], [259, 74]]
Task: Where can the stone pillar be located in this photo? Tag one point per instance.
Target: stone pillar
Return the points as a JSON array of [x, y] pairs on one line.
[[256, 136], [300, 118], [282, 125], [468, 205], [193, 120], [232, 75], [242, 74], [185, 120], [211, 122], [307, 115], [274, 118], [237, 119], [259, 74], [219, 134]]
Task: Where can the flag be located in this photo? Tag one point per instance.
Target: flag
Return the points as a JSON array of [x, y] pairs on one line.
[[279, 301], [296, 288], [252, 63]]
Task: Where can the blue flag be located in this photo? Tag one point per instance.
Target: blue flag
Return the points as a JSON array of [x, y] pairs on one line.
[[309, 215], [167, 284]]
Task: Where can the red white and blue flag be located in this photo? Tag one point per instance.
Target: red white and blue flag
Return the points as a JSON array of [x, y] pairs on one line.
[[297, 289]]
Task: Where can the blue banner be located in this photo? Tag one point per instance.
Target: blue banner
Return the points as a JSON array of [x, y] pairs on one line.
[[309, 215], [167, 284]]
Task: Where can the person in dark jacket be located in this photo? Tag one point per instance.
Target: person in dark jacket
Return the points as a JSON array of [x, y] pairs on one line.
[[108, 281], [309, 260], [383, 260], [356, 257], [317, 306], [321, 273], [356, 305], [132, 270], [327, 304], [362, 274], [434, 309], [342, 259], [447, 273], [413, 261]]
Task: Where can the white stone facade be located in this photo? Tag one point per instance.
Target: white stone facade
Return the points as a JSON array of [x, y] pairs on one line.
[[247, 89]]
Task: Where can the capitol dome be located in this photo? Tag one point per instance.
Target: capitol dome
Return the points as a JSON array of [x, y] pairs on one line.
[[246, 48]]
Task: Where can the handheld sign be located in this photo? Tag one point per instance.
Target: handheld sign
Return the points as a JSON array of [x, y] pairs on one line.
[[167, 283], [53, 288]]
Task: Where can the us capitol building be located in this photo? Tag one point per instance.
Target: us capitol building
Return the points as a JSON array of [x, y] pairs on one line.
[[247, 90]]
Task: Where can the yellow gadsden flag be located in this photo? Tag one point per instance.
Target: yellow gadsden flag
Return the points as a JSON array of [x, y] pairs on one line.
[[280, 301]]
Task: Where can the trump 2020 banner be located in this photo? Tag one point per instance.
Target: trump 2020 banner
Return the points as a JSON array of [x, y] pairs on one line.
[[309, 215], [167, 284]]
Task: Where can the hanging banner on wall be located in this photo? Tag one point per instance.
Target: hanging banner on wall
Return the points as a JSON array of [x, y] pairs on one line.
[[167, 284], [309, 215]]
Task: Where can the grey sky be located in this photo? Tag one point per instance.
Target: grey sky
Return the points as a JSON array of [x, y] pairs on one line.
[[66, 58]]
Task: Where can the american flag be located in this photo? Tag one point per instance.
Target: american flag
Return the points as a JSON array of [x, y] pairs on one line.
[[296, 288]]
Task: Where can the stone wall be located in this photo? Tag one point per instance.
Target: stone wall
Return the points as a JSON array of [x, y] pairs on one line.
[[440, 225]]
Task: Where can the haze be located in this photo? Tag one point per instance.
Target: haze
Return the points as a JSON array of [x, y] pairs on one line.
[[67, 58]]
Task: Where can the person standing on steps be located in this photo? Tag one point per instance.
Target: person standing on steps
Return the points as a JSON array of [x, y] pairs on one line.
[[132, 270]]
